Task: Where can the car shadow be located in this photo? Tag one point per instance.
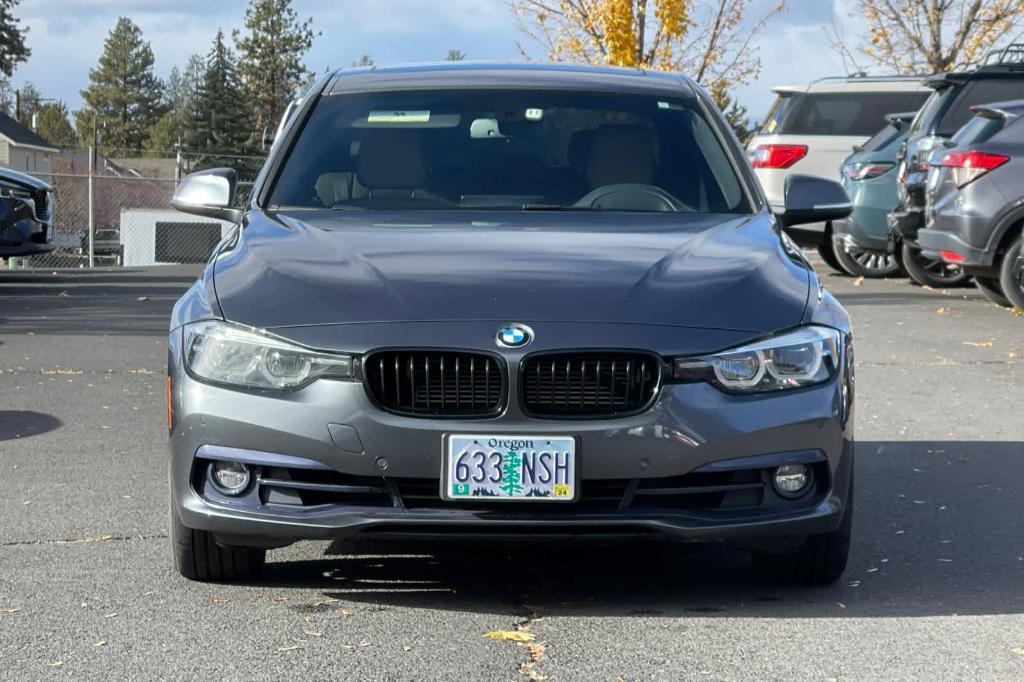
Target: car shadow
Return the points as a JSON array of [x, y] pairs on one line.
[[937, 532], [17, 424]]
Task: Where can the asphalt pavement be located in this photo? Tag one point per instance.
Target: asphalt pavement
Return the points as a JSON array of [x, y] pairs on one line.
[[934, 589]]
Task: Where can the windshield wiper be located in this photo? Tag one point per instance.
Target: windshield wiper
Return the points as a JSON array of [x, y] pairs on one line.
[[558, 207]]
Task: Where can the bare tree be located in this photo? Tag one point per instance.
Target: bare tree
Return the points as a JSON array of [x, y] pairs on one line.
[[930, 36], [710, 40]]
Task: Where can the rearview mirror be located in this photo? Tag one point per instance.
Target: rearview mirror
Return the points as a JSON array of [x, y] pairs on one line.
[[811, 199], [209, 193]]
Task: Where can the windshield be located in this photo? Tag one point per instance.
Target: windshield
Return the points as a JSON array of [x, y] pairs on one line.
[[508, 149]]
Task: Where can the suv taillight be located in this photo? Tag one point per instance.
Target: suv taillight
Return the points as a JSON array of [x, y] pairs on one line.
[[966, 167], [865, 170], [777, 155]]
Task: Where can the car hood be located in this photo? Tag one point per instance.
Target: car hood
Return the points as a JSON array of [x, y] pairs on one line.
[[330, 267]]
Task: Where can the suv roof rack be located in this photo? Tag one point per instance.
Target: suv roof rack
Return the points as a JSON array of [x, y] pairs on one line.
[[1009, 56]]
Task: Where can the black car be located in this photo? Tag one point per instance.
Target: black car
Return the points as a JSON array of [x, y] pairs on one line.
[[946, 110], [529, 300], [26, 215], [975, 193]]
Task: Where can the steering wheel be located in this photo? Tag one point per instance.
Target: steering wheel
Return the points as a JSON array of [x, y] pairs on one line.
[[632, 197]]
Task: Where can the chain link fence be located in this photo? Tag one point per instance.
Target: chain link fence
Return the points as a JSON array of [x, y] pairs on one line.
[[127, 204]]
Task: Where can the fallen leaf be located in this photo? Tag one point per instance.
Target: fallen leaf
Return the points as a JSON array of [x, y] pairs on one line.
[[1014, 355], [221, 600], [943, 311], [407, 648], [979, 344], [141, 370], [100, 643], [56, 664], [841, 604], [536, 650], [312, 633], [857, 282], [291, 647], [143, 298], [63, 294], [1019, 651], [111, 615], [346, 612], [279, 598], [15, 610], [511, 635], [347, 647]]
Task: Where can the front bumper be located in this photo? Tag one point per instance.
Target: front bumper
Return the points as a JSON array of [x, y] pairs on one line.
[[690, 428]]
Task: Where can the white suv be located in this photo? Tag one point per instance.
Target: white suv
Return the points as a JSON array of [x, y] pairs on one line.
[[811, 128]]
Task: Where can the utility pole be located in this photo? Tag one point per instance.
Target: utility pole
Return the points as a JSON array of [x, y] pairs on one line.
[[17, 104], [92, 192]]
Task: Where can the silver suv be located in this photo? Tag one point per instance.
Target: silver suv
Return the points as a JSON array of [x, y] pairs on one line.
[[812, 128]]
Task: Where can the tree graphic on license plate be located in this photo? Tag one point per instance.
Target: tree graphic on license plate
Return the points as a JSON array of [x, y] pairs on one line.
[[511, 477]]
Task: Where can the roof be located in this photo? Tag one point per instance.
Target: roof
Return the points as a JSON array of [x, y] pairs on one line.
[[857, 84], [506, 75], [20, 135]]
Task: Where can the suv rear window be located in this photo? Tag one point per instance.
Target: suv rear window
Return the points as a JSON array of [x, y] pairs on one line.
[[980, 91], [504, 149], [979, 129], [857, 114], [882, 139], [776, 114]]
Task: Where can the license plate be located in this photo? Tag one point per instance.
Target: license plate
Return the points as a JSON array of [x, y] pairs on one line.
[[500, 468]]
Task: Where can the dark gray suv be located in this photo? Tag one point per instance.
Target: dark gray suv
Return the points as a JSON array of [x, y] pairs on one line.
[[528, 300], [946, 111], [975, 192]]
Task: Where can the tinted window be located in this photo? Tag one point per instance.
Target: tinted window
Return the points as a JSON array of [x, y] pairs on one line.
[[882, 139], [931, 109], [846, 113], [507, 149], [776, 114], [979, 129], [980, 91]]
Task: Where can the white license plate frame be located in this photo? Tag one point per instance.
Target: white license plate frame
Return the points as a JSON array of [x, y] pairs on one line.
[[453, 447]]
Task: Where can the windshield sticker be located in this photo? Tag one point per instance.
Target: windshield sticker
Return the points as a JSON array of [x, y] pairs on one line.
[[398, 117], [534, 114]]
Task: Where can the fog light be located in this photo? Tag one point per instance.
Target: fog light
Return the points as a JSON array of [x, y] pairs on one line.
[[231, 477], [790, 480]]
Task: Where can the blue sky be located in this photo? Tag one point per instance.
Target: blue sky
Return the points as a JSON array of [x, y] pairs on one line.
[[66, 36]]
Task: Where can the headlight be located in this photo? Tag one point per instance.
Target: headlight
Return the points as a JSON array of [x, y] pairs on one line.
[[807, 356], [7, 191], [222, 353]]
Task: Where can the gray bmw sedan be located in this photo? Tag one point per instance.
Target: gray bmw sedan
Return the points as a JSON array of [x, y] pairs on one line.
[[520, 300]]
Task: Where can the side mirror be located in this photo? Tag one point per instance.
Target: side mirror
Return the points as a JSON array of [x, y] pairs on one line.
[[811, 199], [209, 193]]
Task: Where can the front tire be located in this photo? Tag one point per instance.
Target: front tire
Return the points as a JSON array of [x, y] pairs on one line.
[[993, 290], [820, 560], [929, 272], [197, 556], [1011, 276]]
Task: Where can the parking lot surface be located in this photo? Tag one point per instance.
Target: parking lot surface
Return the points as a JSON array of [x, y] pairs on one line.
[[934, 589]]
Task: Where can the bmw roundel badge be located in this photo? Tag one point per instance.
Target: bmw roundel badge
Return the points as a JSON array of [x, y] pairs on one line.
[[514, 335]]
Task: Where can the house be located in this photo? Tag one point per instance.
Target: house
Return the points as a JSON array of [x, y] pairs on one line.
[[23, 150]]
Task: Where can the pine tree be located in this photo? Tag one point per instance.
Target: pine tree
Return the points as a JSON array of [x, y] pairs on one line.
[[365, 60], [124, 96], [221, 128], [455, 56], [13, 50], [54, 126], [271, 50], [181, 94]]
